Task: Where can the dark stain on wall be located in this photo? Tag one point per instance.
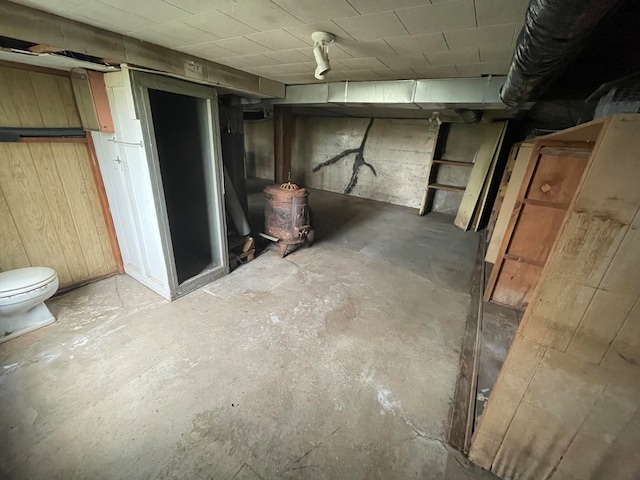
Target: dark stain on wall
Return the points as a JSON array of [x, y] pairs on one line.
[[358, 162]]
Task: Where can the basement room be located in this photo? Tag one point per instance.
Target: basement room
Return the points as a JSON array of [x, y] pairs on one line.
[[349, 239]]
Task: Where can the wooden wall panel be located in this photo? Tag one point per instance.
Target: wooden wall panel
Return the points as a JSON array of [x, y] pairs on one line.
[[28, 205], [59, 207], [84, 162], [50, 212], [12, 252], [36, 100], [79, 199]]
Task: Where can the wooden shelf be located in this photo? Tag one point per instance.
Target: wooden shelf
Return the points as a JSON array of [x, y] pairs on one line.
[[453, 163], [451, 188]]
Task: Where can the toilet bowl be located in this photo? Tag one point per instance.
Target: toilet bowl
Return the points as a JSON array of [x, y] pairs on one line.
[[22, 295]]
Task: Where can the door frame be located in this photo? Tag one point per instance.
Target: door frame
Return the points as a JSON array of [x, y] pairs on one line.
[[141, 82]]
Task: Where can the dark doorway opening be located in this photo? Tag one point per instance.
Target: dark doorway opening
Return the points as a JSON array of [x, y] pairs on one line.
[[181, 137]]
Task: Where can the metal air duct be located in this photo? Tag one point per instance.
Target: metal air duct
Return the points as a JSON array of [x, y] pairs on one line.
[[554, 31]]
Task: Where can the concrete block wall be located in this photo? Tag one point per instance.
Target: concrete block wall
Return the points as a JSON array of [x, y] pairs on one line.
[[398, 150], [566, 405], [258, 147]]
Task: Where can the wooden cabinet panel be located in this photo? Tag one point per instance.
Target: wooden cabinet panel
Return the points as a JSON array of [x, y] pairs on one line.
[[516, 283], [549, 185], [556, 178], [528, 240]]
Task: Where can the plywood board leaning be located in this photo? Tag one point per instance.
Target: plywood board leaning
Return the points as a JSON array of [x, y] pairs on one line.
[[480, 213], [513, 187], [478, 175]]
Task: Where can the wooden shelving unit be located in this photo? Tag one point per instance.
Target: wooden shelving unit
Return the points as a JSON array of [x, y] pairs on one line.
[[432, 184]]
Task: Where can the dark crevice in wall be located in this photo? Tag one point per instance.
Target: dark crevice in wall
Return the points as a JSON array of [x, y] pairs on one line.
[[358, 162]]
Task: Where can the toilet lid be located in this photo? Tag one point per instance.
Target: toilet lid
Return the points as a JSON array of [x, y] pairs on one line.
[[22, 280]]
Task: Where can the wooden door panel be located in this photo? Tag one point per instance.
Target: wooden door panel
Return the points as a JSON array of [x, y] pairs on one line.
[[529, 240], [548, 187], [556, 179]]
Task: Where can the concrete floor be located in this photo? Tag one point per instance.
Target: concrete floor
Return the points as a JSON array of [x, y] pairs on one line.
[[339, 361]]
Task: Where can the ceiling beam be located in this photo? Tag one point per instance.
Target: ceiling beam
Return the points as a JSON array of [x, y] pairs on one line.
[[30, 25]]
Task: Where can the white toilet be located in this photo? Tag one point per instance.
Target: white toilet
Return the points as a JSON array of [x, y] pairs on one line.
[[22, 295]]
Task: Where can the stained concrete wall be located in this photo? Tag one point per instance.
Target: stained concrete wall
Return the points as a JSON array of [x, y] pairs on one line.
[[398, 150], [258, 147], [566, 405]]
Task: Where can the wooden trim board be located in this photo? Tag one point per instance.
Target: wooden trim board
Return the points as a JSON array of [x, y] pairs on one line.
[[479, 173], [104, 204], [509, 200]]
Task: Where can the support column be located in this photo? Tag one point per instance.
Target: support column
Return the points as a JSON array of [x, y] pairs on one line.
[[283, 137]]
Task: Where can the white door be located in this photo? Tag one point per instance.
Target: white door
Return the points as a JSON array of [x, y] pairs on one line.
[[125, 172]]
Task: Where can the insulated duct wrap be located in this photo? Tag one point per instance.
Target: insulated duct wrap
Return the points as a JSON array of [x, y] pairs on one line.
[[554, 31]]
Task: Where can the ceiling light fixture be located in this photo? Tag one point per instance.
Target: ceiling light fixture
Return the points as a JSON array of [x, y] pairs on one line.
[[321, 41]]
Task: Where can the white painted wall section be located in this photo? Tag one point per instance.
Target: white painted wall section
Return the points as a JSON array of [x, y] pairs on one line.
[[124, 168]]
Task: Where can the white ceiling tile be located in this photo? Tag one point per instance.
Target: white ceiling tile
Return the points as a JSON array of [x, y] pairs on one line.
[[454, 57], [478, 69], [335, 52], [277, 40], [255, 60], [265, 71], [296, 68], [289, 56], [198, 6], [496, 54], [373, 48], [371, 63], [303, 32], [154, 10], [440, 17], [370, 27], [293, 78], [175, 35], [496, 12], [108, 17], [427, 42], [359, 75], [442, 71], [219, 24], [242, 46], [317, 11], [260, 14], [403, 61], [396, 74], [235, 62], [495, 36], [377, 6], [207, 50], [516, 32], [49, 6]]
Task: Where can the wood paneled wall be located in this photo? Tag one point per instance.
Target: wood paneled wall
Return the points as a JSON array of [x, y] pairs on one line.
[[50, 213], [50, 209], [36, 99]]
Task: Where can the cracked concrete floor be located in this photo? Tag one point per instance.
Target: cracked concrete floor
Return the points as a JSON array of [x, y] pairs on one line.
[[338, 362]]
